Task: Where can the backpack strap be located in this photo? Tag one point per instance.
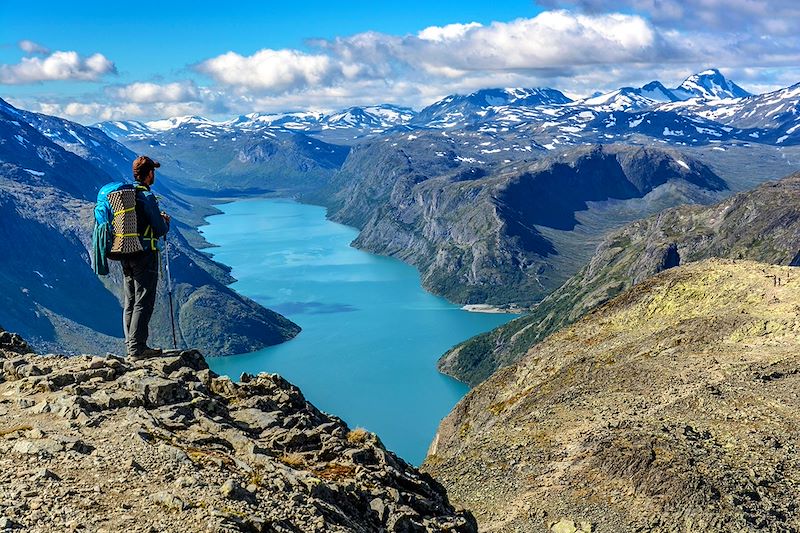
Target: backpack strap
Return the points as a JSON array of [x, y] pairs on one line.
[[121, 211]]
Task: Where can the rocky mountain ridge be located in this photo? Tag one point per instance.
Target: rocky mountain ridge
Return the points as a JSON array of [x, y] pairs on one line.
[[476, 231], [672, 408], [164, 444], [761, 225], [683, 115]]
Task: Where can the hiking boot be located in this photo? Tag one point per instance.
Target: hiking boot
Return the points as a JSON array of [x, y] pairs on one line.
[[146, 353]]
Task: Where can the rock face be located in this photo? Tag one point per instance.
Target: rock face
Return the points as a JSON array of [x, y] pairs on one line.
[[164, 444], [762, 225], [481, 232], [674, 407]]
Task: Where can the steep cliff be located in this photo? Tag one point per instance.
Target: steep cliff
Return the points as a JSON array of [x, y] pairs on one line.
[[673, 407], [762, 225], [481, 231]]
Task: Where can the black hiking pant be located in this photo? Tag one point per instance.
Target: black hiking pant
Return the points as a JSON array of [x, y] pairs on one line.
[[141, 283]]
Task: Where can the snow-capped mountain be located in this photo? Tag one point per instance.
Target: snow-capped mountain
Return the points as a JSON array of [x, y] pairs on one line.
[[630, 98], [460, 110], [32, 157], [777, 113], [709, 85], [378, 117], [88, 143], [715, 111], [372, 119], [775, 109], [120, 129]]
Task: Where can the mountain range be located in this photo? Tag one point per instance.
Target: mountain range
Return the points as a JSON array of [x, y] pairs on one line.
[[690, 113], [494, 196], [50, 172], [761, 225]]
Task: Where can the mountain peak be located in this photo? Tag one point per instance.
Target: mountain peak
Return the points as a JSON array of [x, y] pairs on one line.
[[8, 107], [176, 122], [709, 84]]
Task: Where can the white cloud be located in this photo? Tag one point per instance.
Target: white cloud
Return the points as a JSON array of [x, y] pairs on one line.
[[443, 33], [547, 41], [277, 70], [576, 52], [30, 47], [57, 66], [148, 93], [91, 112], [756, 17], [550, 40]]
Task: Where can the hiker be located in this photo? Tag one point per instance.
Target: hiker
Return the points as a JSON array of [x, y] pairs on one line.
[[141, 268]]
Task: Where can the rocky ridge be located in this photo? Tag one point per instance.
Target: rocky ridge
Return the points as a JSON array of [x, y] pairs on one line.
[[673, 408], [164, 444], [477, 230], [761, 225]]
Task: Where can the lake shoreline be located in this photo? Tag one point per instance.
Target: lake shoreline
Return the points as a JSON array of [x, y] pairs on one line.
[[490, 309], [371, 333]]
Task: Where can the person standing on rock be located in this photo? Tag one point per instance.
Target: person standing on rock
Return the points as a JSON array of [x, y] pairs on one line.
[[140, 270]]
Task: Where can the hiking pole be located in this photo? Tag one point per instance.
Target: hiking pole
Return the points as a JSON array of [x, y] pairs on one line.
[[169, 291]]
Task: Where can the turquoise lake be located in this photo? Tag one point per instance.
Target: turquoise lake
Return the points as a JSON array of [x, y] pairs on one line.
[[371, 335]]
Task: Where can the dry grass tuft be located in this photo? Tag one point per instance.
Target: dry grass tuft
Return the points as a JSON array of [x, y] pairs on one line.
[[295, 460], [336, 472], [9, 431], [357, 436]]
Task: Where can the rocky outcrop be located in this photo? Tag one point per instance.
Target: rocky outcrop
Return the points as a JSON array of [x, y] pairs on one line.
[[672, 408], [164, 444], [499, 232], [762, 225]]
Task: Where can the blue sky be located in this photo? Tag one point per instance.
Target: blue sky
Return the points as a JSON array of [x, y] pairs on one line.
[[98, 60]]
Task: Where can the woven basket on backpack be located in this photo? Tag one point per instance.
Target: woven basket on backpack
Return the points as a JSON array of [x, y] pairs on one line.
[[126, 238]]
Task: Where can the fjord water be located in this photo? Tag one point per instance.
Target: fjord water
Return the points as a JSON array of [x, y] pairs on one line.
[[371, 335]]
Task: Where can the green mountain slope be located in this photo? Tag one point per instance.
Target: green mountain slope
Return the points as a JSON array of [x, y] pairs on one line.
[[762, 225], [672, 408]]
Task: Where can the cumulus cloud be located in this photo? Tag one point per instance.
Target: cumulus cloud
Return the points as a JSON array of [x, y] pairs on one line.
[[30, 47], [58, 65], [547, 41], [579, 52], [450, 31], [277, 70], [773, 17], [553, 46], [91, 112], [149, 93]]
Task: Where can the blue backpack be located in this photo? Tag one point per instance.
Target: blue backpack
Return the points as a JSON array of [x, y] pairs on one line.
[[115, 225]]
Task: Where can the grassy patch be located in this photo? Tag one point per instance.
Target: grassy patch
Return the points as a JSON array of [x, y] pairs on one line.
[[295, 460], [336, 472], [357, 436], [9, 431]]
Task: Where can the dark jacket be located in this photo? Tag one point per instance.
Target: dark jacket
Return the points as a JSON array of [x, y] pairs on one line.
[[151, 225]]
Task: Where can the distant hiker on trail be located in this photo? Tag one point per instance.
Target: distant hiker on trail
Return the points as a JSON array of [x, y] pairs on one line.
[[128, 226]]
